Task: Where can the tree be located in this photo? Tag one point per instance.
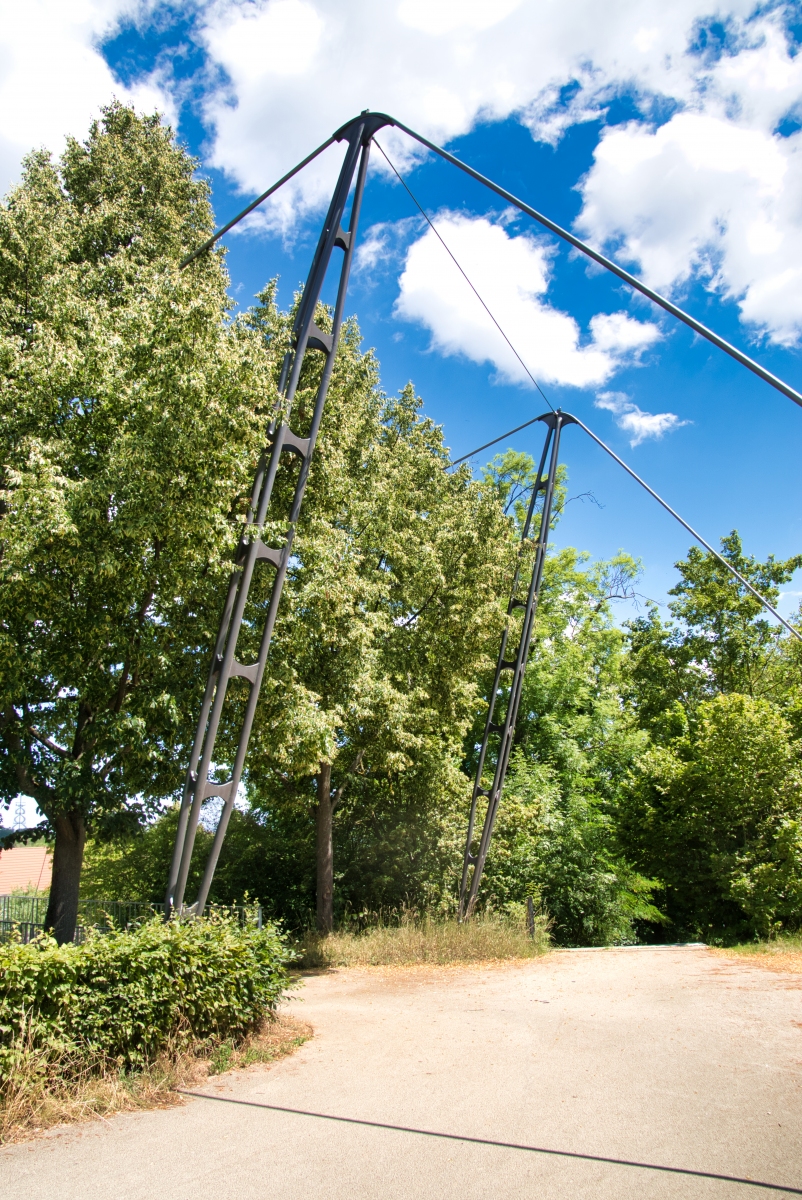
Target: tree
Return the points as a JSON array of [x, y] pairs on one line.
[[718, 815], [391, 607], [556, 836], [721, 641], [132, 414], [270, 862]]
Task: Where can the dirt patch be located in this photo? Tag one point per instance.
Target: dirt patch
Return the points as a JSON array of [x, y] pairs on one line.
[[769, 958]]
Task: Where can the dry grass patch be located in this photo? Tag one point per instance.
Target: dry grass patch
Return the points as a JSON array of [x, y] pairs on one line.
[[426, 940], [781, 954], [44, 1092]]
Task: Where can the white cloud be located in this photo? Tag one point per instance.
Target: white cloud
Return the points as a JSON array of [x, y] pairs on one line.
[[438, 65], [712, 192], [381, 246], [448, 16], [511, 274], [715, 191], [634, 420], [53, 78]]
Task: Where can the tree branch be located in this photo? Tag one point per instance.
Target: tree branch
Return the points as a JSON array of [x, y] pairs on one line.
[[47, 741], [45, 796], [113, 762], [122, 687]]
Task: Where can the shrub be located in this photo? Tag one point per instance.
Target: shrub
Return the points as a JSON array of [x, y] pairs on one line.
[[717, 815], [557, 845], [127, 995]]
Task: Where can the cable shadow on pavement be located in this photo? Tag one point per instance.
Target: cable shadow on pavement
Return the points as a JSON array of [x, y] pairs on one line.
[[477, 1141]]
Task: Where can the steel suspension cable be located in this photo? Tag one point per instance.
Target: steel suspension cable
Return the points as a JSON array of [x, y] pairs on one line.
[[609, 265], [745, 582], [542, 219], [207, 245], [495, 441], [462, 272], [758, 596]]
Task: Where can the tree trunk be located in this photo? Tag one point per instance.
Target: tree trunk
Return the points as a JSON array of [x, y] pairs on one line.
[[325, 851], [68, 857]]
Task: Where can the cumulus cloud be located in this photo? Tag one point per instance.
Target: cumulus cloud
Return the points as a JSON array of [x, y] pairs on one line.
[[634, 421], [511, 273], [711, 192], [714, 192], [53, 78], [299, 68], [381, 246]]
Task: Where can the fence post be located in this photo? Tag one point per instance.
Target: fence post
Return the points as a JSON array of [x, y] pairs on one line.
[[530, 916]]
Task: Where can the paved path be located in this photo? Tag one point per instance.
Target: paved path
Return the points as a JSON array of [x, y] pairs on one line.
[[555, 1078]]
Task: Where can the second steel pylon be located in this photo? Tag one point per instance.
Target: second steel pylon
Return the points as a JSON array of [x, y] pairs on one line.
[[515, 662]]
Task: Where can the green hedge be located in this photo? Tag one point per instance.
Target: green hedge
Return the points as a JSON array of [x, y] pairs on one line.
[[126, 995]]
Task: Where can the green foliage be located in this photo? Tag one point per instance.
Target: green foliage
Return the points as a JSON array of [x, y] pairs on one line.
[[267, 858], [512, 476], [131, 415], [133, 408], [391, 607], [721, 641], [136, 867], [556, 836], [125, 996], [718, 816], [713, 807], [563, 851]]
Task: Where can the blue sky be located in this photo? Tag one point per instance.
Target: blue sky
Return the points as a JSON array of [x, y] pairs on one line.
[[667, 135]]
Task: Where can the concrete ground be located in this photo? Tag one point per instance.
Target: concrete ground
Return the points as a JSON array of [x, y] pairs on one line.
[[608, 1073]]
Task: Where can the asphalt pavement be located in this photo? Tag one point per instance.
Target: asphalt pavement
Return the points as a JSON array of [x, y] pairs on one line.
[[609, 1073]]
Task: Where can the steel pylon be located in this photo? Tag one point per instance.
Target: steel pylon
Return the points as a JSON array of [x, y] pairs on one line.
[[252, 550], [474, 858]]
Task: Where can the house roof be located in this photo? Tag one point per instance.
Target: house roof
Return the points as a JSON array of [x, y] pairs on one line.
[[25, 867]]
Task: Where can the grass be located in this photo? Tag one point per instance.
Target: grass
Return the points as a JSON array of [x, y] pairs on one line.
[[45, 1091], [780, 954], [414, 940]]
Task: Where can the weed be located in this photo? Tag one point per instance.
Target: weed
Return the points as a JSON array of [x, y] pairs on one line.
[[414, 939], [46, 1090]]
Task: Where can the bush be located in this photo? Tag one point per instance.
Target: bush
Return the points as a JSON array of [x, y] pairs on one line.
[[717, 814], [269, 857], [127, 995], [559, 847]]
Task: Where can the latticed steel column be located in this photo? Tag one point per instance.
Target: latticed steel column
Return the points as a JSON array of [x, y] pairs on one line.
[[252, 549], [474, 861]]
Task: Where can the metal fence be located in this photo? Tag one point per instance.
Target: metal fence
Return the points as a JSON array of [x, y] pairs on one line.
[[24, 916]]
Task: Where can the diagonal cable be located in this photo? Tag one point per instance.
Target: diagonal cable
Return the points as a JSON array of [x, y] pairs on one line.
[[501, 438], [434, 230], [724, 562]]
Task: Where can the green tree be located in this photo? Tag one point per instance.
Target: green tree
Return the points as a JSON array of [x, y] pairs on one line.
[[132, 414], [269, 860], [556, 836], [391, 608], [720, 641], [718, 816]]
